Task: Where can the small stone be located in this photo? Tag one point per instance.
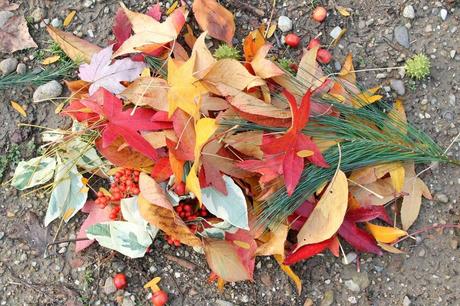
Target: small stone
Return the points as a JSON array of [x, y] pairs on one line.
[[351, 285], [308, 302], [337, 65], [128, 302], [428, 28], [90, 33], [401, 35], [284, 23], [4, 16], [62, 250], [2, 234], [23, 257], [441, 197], [47, 91], [381, 75], [452, 53], [21, 68], [153, 269], [409, 12], [452, 99], [421, 253], [38, 14], [398, 86], [8, 65], [335, 33], [443, 14], [454, 244], [406, 301], [223, 303], [352, 300], [351, 257], [56, 22], [328, 298], [109, 286], [245, 298], [88, 3]]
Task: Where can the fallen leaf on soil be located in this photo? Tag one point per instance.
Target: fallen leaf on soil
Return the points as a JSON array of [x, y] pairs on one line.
[[51, 60], [14, 35], [274, 245], [69, 18], [215, 19], [286, 269], [385, 234], [328, 214], [17, 107], [263, 67], [75, 48], [253, 42], [148, 91]]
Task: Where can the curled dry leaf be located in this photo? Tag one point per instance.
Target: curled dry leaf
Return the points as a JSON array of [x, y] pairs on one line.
[[274, 242], [328, 214], [203, 57], [263, 67], [215, 19], [155, 207], [75, 48], [122, 155], [415, 188], [14, 35]]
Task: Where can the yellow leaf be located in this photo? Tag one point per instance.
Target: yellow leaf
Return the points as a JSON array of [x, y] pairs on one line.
[[153, 282], [242, 244], [68, 213], [172, 8], [105, 191], [343, 11], [275, 243], [17, 107], [305, 153], [397, 178], [271, 30], [290, 273], [145, 72], [51, 60], [185, 90], [69, 18], [390, 248], [59, 108], [385, 234], [328, 214]]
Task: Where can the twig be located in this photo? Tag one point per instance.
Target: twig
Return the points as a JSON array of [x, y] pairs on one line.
[[65, 240], [247, 7], [181, 262], [425, 229]]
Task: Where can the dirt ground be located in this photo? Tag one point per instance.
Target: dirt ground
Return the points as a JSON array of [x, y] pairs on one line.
[[428, 274]]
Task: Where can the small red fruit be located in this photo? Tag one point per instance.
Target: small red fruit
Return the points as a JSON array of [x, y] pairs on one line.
[[313, 43], [119, 280], [323, 56], [159, 298], [292, 40], [180, 189], [319, 14]]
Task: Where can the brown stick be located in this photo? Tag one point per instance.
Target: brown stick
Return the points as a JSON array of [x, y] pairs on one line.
[[181, 262], [65, 240], [248, 7]]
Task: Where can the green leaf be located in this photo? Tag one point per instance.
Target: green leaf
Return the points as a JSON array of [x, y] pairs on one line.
[[129, 239], [69, 193], [33, 172], [231, 207]]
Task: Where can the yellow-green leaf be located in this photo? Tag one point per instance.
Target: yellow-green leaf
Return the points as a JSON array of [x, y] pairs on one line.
[[51, 60]]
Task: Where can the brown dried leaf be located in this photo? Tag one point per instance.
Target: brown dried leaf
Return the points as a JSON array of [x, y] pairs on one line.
[[14, 35], [5, 5], [215, 19], [148, 91]]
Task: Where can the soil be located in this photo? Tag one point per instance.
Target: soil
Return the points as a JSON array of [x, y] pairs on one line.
[[428, 272]]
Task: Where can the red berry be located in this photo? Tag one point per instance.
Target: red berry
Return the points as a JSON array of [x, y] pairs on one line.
[[116, 196], [135, 190], [180, 188], [129, 182], [159, 298], [203, 213], [128, 172], [188, 214], [118, 174], [112, 216], [319, 14], [179, 208], [292, 40], [313, 43], [182, 214], [115, 189], [122, 188], [100, 194], [103, 200], [136, 173], [323, 56], [188, 208], [119, 280]]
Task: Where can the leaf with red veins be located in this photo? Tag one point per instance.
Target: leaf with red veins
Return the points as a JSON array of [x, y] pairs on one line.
[[122, 123], [359, 239], [121, 28]]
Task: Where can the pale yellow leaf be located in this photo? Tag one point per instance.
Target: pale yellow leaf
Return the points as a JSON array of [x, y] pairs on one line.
[[271, 30], [153, 282], [17, 107], [397, 178], [390, 248], [172, 8], [343, 11], [69, 18], [275, 243], [305, 153], [51, 60]]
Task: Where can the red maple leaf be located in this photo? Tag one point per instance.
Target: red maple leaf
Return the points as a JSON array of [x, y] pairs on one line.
[[121, 28], [293, 142], [124, 124]]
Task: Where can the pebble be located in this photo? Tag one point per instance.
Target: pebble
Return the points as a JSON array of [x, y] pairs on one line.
[[335, 33], [441, 197], [128, 302], [109, 286], [62, 250], [56, 22], [352, 300], [23, 257], [421, 253], [87, 3], [401, 35], [454, 244], [398, 86], [351, 285], [351, 257], [452, 99], [245, 298], [47, 91], [406, 301], [428, 28], [284, 23], [21, 68], [452, 53], [223, 303], [409, 12], [8, 65], [4, 16], [2, 234], [443, 14], [381, 75], [38, 14], [328, 298], [153, 269]]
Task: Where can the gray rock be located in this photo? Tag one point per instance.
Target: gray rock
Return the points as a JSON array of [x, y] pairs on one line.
[[422, 252], [88, 3], [381, 75], [443, 14], [245, 299], [441, 197], [351, 285], [223, 303], [47, 91], [328, 298], [4, 16], [21, 68], [398, 86], [401, 35], [284, 23], [452, 99], [8, 65], [428, 28], [409, 12], [351, 257], [406, 301], [109, 286], [56, 22], [38, 14]]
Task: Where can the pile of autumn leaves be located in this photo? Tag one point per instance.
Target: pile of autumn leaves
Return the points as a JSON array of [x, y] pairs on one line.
[[168, 129]]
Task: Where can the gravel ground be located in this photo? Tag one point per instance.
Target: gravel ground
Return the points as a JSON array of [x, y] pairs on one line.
[[427, 274]]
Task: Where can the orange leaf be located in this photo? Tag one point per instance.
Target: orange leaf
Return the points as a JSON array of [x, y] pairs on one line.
[[123, 156], [385, 234], [290, 273], [253, 42], [215, 19], [189, 37]]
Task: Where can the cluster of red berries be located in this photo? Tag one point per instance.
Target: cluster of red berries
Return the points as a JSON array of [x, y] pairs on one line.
[[125, 184], [188, 213]]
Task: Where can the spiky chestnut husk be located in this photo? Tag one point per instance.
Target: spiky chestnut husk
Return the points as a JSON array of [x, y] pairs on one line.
[[418, 67], [225, 51]]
